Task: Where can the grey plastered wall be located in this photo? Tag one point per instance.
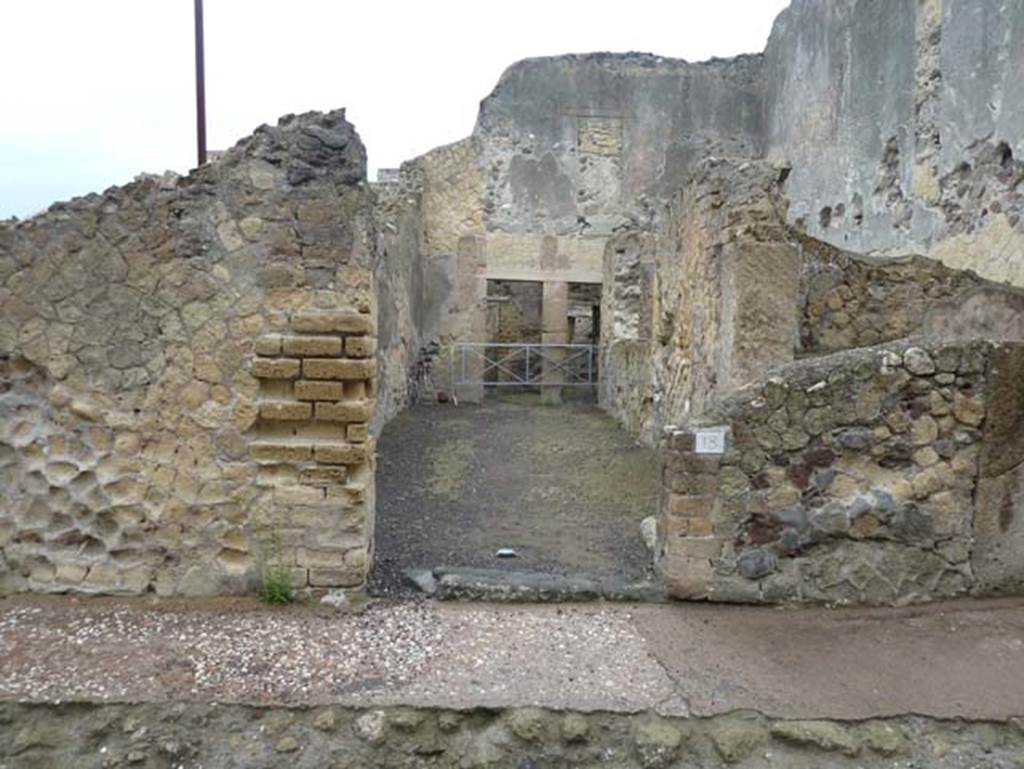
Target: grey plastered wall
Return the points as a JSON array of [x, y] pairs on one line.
[[585, 143], [903, 121], [839, 84]]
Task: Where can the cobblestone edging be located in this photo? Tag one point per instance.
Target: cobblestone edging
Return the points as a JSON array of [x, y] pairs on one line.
[[212, 735]]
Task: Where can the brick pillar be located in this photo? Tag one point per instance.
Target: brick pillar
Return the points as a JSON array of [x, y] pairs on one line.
[[687, 547], [313, 506], [555, 330]]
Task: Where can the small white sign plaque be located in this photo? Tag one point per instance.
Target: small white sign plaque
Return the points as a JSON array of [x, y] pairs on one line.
[[710, 440]]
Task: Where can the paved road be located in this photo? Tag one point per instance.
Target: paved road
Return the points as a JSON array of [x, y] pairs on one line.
[[961, 659]]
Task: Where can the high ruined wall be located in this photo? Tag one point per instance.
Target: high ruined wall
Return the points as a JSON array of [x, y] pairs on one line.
[[586, 144], [903, 121], [730, 290], [718, 308], [186, 374]]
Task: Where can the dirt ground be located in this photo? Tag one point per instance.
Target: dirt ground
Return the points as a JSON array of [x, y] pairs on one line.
[[563, 486]]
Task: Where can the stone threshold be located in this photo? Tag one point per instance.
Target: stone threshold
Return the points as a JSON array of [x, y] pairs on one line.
[[473, 584]]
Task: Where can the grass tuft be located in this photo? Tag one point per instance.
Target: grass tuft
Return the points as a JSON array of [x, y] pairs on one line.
[[277, 586]]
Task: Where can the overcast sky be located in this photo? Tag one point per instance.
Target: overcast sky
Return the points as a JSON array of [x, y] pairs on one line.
[[97, 91]]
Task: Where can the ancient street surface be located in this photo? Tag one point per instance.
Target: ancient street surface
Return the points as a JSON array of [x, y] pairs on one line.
[[564, 486], [949, 660]]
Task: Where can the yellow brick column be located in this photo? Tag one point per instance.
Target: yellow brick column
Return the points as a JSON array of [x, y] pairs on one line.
[[687, 548], [313, 446], [555, 330]]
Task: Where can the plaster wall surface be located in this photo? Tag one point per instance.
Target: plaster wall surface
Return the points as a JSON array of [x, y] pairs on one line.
[[903, 123], [584, 144]]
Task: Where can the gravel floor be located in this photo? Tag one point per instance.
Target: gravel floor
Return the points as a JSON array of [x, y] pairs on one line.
[[563, 486], [409, 653]]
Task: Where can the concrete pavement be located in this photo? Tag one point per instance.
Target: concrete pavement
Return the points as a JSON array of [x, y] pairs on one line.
[[961, 659]]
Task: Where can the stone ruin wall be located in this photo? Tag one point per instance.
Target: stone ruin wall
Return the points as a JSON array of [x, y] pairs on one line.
[[858, 473], [718, 306], [854, 473], [847, 301], [583, 146], [874, 476], [132, 402], [187, 373], [731, 290]]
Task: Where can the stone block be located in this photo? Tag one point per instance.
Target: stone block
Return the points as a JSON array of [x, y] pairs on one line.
[[324, 321], [360, 346], [298, 495], [277, 475], [298, 576], [344, 577], [270, 451], [317, 390], [276, 368], [686, 577], [311, 520], [352, 493], [70, 573], [690, 506], [693, 464], [340, 454], [337, 368], [285, 410], [691, 483], [269, 344], [310, 346], [323, 476], [968, 410], [102, 576], [356, 411], [700, 527], [997, 557], [677, 529], [314, 558], [357, 390], [358, 433]]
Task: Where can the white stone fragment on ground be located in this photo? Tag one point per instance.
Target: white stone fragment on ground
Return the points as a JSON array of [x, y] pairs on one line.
[[649, 531], [336, 598]]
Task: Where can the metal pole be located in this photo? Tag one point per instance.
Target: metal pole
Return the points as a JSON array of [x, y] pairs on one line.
[[200, 86]]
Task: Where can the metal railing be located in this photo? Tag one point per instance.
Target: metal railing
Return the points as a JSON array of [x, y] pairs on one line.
[[494, 364]]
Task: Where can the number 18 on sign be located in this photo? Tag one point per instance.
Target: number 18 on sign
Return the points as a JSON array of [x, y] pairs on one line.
[[710, 440]]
